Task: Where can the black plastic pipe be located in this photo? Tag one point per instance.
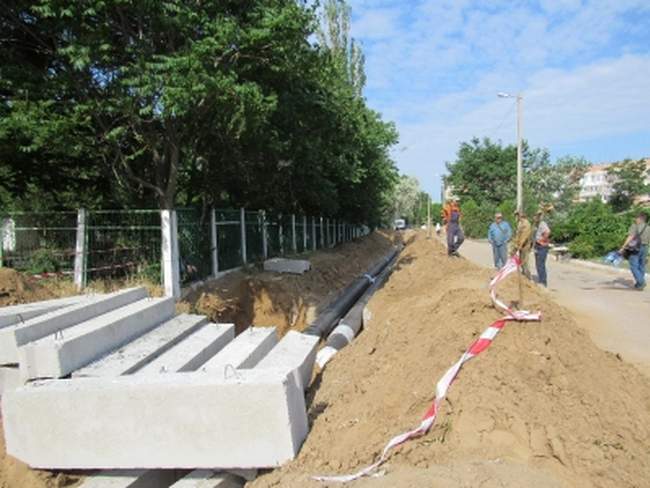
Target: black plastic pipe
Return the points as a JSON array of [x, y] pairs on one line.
[[328, 319], [350, 325]]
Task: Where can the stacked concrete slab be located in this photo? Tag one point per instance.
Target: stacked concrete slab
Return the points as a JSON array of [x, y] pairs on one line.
[[58, 320], [149, 391], [283, 265], [14, 316]]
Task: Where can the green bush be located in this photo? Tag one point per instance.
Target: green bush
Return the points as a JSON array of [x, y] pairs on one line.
[[591, 229], [476, 219], [43, 261]]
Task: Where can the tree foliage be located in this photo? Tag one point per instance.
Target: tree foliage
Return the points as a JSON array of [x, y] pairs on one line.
[[629, 181], [406, 198], [334, 32], [180, 102], [485, 172]]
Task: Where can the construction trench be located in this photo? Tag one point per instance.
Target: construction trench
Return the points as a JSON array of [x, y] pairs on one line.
[[148, 388]]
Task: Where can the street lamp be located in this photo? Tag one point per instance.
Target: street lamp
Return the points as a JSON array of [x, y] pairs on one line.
[[520, 171]]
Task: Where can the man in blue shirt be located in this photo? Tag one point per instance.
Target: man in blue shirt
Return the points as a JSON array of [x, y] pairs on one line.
[[499, 234]]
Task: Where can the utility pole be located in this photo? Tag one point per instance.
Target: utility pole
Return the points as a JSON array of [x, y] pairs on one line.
[[520, 171], [428, 216], [520, 133]]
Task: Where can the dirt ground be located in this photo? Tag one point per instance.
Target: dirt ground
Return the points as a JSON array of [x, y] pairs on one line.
[[543, 406], [255, 297], [15, 288]]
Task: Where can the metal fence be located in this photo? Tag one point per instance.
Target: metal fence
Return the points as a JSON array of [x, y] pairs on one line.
[[114, 244]]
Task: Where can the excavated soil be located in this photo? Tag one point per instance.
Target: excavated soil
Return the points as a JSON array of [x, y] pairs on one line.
[[255, 297], [15, 288], [542, 407]]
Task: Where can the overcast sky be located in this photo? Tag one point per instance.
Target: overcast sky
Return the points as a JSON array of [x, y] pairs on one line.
[[434, 68]]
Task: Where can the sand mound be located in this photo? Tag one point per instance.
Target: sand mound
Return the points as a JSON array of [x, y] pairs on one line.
[[542, 407], [16, 288], [287, 301]]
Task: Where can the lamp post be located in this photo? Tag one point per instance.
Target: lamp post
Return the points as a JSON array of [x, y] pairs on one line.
[[520, 170]]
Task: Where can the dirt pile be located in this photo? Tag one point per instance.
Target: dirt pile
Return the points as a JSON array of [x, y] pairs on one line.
[[543, 406], [283, 300], [15, 288]]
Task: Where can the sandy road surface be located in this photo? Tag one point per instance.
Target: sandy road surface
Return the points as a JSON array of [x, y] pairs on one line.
[[616, 317]]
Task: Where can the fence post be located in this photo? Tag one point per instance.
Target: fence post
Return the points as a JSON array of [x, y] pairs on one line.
[[281, 235], [322, 233], [171, 267], [80, 251], [294, 243], [314, 244], [265, 243], [304, 233], [213, 241], [242, 219]]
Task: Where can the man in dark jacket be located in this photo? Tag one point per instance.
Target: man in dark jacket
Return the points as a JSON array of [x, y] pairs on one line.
[[455, 236]]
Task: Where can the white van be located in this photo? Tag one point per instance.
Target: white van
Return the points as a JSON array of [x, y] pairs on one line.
[[400, 224]]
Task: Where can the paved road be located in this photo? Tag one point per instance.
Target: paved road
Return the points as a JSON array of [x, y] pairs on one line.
[[617, 317]]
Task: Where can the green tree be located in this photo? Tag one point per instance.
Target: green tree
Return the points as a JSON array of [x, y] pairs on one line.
[[486, 172], [556, 184], [334, 32], [629, 181], [186, 103], [406, 198]]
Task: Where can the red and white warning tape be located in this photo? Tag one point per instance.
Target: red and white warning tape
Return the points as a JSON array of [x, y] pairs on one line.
[[477, 347]]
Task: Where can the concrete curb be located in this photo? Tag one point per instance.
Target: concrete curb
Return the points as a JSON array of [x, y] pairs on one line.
[[601, 267]]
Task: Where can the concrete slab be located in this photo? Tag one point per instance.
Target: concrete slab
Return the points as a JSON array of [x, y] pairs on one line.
[[135, 355], [134, 478], [57, 355], [190, 342], [204, 478], [12, 337], [193, 351], [295, 354], [16, 314], [245, 351], [10, 378], [177, 420], [283, 265]]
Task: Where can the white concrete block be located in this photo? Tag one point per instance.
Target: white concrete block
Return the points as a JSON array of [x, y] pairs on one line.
[[193, 351], [295, 354], [133, 478], [204, 478], [283, 265], [10, 378], [55, 356], [177, 420], [181, 344], [133, 356], [12, 337], [16, 314], [245, 351]]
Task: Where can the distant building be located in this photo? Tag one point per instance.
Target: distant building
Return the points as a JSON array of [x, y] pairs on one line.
[[596, 183]]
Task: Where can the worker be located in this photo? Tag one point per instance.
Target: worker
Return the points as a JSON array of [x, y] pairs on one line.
[[541, 246], [450, 207], [499, 234], [523, 241], [455, 236], [635, 248]]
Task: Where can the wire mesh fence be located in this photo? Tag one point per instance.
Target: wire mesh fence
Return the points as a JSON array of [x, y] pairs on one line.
[[123, 243], [114, 244], [39, 242], [194, 244], [229, 249]]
